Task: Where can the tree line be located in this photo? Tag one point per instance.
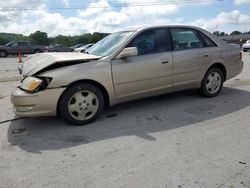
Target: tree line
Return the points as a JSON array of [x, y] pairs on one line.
[[232, 33], [42, 38]]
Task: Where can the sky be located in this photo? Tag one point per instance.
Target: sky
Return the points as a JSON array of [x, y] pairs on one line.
[[76, 17]]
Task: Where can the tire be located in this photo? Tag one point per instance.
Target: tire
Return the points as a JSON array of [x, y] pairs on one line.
[[81, 104], [3, 53], [212, 83]]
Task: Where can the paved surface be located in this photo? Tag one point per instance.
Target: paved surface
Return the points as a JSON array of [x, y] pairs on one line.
[[176, 140], [9, 69]]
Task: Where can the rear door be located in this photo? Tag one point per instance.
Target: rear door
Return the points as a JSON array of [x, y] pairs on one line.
[[150, 72], [191, 56]]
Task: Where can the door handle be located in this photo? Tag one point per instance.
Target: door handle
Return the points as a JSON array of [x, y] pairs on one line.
[[164, 62], [206, 55]]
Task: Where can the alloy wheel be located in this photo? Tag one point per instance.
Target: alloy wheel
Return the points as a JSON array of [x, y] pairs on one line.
[[213, 82], [83, 105]]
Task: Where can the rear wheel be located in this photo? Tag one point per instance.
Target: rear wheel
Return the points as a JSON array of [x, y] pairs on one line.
[[212, 83], [81, 104], [3, 53]]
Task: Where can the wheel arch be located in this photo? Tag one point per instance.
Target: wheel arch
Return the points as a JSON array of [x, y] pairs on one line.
[[93, 82], [221, 67]]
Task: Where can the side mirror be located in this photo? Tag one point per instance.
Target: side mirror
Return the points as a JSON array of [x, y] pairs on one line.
[[128, 52]]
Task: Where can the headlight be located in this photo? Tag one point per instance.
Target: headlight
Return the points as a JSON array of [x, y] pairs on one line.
[[31, 84]]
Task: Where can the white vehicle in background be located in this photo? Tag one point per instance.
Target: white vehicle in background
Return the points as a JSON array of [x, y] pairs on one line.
[[77, 46], [246, 46], [83, 48]]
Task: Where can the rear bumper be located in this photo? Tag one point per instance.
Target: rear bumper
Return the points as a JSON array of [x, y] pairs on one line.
[[234, 69], [43, 103]]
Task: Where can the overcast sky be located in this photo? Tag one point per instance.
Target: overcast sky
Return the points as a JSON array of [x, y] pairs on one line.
[[226, 15]]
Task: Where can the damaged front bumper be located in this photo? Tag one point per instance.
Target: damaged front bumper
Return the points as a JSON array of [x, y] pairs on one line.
[[42, 103]]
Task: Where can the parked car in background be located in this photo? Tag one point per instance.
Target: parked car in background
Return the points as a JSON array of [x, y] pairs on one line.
[[24, 47], [58, 48], [125, 66], [77, 46], [49, 46], [83, 48], [246, 46]]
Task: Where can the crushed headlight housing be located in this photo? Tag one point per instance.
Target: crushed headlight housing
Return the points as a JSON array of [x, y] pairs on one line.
[[33, 84]]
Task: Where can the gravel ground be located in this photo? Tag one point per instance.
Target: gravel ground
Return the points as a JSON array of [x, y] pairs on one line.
[[175, 140]]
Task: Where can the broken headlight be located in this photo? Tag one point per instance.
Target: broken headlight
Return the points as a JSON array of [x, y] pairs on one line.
[[33, 84]]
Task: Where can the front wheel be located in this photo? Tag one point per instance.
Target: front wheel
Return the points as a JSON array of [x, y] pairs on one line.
[[3, 53], [81, 104], [212, 83]]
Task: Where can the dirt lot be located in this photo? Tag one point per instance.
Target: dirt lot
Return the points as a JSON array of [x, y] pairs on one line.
[[175, 140]]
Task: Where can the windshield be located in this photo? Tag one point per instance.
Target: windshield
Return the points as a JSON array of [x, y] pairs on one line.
[[109, 44]]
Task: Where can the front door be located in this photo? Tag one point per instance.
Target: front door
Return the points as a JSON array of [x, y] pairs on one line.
[[148, 73]]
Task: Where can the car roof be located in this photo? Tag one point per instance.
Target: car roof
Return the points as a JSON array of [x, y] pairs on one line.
[[157, 26]]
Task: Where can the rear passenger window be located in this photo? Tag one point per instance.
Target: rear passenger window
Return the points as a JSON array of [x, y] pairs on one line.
[[151, 41], [207, 40], [183, 39]]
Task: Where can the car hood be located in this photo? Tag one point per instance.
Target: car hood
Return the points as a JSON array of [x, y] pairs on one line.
[[246, 45], [39, 62]]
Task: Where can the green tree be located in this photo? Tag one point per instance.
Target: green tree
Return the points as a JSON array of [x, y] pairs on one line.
[[217, 33], [223, 34], [74, 40], [11, 36], [64, 40], [236, 33], [84, 39], [40, 37], [3, 41], [97, 36]]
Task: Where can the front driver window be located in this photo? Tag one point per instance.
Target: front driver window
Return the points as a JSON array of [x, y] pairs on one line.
[[152, 41]]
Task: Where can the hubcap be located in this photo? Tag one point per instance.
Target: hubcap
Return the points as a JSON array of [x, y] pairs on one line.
[[213, 83], [83, 105]]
